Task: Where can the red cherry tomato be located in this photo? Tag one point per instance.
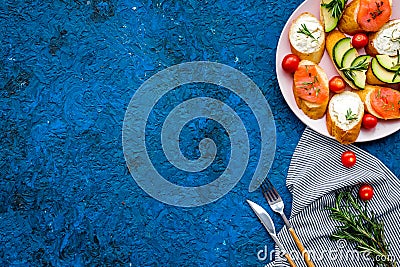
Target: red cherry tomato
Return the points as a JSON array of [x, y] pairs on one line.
[[337, 84], [366, 192], [359, 40], [290, 63], [348, 159], [369, 121]]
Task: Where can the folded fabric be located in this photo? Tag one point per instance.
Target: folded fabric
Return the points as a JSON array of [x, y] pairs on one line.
[[314, 174]]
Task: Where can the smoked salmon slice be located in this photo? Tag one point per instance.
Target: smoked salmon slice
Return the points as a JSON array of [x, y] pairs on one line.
[[308, 85], [386, 102], [373, 14]]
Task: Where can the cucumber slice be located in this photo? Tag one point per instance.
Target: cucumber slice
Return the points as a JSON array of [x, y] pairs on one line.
[[383, 74], [389, 62], [353, 71], [360, 77], [349, 57], [340, 48], [330, 22], [361, 59]]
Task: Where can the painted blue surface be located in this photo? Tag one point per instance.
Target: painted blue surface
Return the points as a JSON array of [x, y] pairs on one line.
[[68, 70]]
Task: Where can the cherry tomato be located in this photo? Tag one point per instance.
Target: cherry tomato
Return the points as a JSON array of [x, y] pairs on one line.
[[290, 63], [359, 40], [369, 121], [348, 159], [337, 84], [366, 192]]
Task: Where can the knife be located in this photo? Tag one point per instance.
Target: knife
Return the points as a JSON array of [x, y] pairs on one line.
[[269, 225]]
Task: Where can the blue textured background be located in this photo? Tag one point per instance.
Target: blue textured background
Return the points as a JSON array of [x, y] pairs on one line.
[[67, 72]]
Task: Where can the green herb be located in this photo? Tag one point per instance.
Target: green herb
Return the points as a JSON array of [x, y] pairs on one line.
[[397, 64], [361, 227], [350, 115], [304, 30], [378, 95], [317, 90], [394, 39], [397, 73], [377, 12], [335, 7], [391, 107], [311, 85], [360, 66]]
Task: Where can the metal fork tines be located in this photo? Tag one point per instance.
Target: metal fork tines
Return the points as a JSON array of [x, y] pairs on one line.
[[274, 200], [276, 203]]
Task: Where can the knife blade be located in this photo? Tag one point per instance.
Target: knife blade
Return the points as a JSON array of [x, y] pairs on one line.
[[266, 220]]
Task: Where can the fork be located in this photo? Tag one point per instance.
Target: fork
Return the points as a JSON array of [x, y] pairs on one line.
[[276, 203]]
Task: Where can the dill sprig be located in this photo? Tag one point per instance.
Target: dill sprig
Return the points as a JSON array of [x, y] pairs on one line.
[[311, 85], [361, 227], [377, 12], [304, 30], [394, 39], [336, 7]]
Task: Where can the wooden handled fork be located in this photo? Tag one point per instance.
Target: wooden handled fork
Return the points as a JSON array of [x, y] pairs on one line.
[[275, 202]]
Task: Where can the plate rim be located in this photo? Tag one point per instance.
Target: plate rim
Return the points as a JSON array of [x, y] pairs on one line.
[[389, 126]]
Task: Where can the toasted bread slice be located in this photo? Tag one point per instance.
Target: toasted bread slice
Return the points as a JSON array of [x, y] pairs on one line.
[[377, 74], [373, 14], [365, 96], [382, 102], [385, 41], [307, 37], [331, 39], [365, 16], [311, 89], [348, 23], [344, 117], [372, 79]]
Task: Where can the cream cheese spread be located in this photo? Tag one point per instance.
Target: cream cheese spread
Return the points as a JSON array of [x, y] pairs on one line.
[[345, 107], [387, 41], [302, 42]]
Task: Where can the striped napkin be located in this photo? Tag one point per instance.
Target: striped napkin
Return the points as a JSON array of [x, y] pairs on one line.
[[314, 174]]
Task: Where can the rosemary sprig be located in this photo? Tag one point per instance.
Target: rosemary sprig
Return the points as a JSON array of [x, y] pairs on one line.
[[350, 115], [335, 7], [304, 30], [397, 73], [361, 227], [360, 66], [398, 59]]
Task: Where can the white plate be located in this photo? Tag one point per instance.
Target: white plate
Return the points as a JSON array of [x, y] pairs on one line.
[[285, 80]]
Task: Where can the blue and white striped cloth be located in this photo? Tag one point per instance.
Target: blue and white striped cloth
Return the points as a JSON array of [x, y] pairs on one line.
[[315, 173]]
